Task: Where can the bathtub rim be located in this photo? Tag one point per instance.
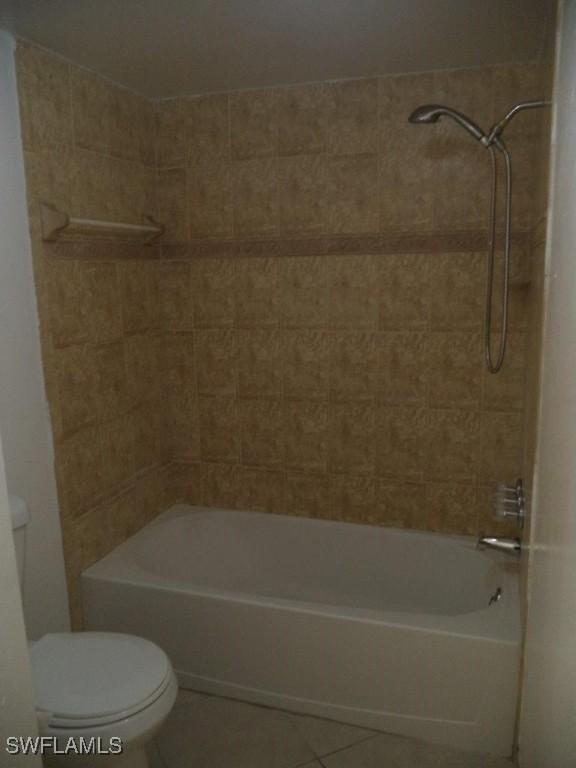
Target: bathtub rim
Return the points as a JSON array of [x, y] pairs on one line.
[[120, 566]]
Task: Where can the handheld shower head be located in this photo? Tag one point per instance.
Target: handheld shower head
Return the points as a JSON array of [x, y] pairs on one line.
[[431, 113]]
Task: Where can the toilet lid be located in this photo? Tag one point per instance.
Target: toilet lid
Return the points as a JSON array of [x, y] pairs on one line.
[[89, 675]]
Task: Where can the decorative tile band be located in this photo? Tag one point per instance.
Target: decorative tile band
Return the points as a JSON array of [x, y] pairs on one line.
[[101, 250], [333, 245], [323, 245]]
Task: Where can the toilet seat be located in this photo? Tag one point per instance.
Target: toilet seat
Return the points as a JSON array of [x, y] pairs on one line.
[[90, 679]]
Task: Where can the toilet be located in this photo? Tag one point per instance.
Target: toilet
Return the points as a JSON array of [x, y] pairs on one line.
[[96, 689]]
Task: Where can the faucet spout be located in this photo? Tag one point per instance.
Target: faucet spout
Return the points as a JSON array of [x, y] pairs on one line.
[[509, 546]]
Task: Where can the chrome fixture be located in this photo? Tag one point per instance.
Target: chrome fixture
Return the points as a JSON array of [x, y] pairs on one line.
[[496, 597], [431, 113], [509, 502], [509, 546]]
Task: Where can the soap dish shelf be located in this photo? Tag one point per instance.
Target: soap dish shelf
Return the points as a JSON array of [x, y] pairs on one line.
[[57, 224]]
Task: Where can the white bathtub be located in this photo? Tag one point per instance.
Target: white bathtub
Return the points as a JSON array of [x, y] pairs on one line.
[[379, 627]]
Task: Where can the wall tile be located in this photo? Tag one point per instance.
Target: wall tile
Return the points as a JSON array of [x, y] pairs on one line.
[[217, 361], [170, 134], [69, 296], [92, 187], [147, 132], [221, 485], [302, 119], [506, 390], [306, 365], [117, 453], [352, 287], [462, 175], [352, 193], [456, 360], [124, 113], [214, 288], [104, 307], [207, 125], [91, 538], [254, 124], [353, 366], [401, 439], [351, 438], [255, 185], [44, 96], [407, 173], [81, 468], [404, 293], [307, 495], [184, 423], [77, 386], [261, 433], [187, 480], [304, 292], [353, 123], [403, 368], [172, 208], [306, 435], [399, 95], [457, 289], [451, 508], [140, 360], [501, 440], [402, 505], [259, 363], [48, 170], [92, 106], [147, 432], [352, 498], [111, 389], [458, 435], [172, 286], [261, 490], [135, 295], [303, 194], [472, 90], [121, 519], [210, 204], [219, 429], [257, 293], [178, 364], [514, 83]]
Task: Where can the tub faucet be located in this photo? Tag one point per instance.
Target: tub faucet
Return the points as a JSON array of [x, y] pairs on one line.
[[510, 546]]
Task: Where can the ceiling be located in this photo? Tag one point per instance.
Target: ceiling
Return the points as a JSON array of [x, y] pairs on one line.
[[164, 48]]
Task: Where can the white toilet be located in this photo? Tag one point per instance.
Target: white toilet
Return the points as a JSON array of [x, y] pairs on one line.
[[96, 685]]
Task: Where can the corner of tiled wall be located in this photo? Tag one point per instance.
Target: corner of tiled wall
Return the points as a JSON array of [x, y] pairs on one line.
[[90, 150]]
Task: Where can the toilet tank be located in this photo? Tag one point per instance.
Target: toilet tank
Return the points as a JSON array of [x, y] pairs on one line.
[[20, 518]]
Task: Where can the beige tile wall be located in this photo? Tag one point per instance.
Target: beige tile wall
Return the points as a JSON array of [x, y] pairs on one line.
[[349, 387], [311, 386], [89, 148]]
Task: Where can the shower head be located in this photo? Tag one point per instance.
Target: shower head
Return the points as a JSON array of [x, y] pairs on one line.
[[431, 113]]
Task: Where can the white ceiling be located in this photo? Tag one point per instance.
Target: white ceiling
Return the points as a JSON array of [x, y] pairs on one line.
[[166, 48]]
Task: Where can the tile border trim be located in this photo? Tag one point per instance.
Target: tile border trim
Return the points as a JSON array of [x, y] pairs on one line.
[[459, 241]]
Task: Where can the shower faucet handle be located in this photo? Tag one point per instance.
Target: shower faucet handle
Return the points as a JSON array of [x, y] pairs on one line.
[[509, 502]]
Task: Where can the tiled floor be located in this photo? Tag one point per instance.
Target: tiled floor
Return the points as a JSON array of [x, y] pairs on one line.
[[212, 732]]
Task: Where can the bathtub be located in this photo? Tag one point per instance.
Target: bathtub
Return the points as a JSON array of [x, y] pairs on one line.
[[378, 627]]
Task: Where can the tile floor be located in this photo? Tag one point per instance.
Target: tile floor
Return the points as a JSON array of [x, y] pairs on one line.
[[212, 732]]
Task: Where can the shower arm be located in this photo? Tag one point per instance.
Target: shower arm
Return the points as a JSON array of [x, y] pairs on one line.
[[497, 128]]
